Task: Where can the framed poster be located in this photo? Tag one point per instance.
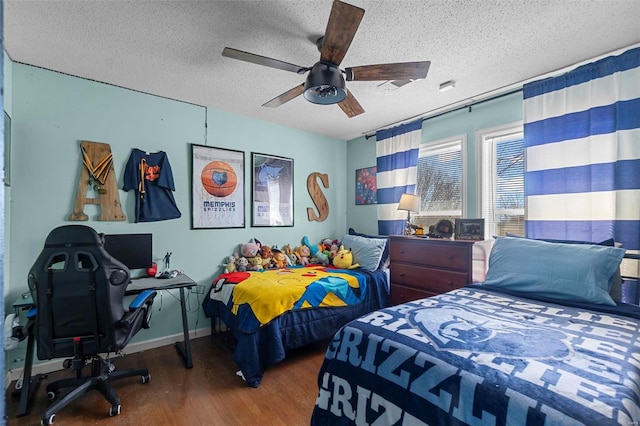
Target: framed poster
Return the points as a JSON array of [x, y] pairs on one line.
[[366, 186], [469, 229], [272, 190], [217, 188]]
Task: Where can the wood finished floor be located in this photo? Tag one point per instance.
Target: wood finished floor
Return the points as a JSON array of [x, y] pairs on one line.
[[208, 394]]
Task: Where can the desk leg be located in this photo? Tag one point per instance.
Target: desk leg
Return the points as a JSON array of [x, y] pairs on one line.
[[184, 348], [29, 384]]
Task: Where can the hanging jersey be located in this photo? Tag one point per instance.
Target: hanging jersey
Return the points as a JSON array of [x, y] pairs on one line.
[[150, 175]]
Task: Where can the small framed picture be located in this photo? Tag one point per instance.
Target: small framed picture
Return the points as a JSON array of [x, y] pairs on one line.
[[366, 186], [469, 229], [272, 190]]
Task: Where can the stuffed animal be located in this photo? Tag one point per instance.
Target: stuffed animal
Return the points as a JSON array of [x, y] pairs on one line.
[[279, 258], [230, 266], [333, 250], [303, 254], [292, 258], [266, 254], [344, 259], [255, 263], [250, 249], [313, 248], [242, 264], [322, 257]]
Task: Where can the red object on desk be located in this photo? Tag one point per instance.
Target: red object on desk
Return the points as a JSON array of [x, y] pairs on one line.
[[153, 270]]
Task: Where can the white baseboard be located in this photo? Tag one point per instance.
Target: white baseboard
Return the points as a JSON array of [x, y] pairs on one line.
[[56, 364]]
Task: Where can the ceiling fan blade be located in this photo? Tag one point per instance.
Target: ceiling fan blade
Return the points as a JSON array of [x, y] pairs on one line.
[[399, 71], [351, 106], [285, 97], [344, 21], [263, 60]]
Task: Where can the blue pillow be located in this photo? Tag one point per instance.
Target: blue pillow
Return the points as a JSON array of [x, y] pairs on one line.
[[572, 272], [385, 253], [366, 251], [615, 282]]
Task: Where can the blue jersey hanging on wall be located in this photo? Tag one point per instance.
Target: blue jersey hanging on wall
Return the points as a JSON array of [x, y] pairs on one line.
[[150, 175]]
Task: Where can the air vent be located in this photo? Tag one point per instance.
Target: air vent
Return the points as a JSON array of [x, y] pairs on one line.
[[393, 85]]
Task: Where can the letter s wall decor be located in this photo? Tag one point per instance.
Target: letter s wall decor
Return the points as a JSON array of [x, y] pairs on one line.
[[317, 196]]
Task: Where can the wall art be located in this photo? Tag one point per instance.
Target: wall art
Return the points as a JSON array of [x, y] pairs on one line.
[[366, 186], [272, 190], [217, 188]]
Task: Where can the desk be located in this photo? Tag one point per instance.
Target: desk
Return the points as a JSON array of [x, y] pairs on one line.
[[181, 282]]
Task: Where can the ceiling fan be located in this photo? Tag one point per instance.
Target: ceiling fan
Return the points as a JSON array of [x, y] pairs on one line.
[[325, 83]]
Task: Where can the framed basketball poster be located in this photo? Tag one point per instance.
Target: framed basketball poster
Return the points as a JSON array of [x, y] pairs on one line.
[[272, 190], [217, 188]]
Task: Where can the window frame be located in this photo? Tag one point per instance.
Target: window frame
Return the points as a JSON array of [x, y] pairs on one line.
[[482, 137], [460, 139]]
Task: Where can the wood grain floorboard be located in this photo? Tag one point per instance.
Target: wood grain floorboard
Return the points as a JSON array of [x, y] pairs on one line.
[[208, 394]]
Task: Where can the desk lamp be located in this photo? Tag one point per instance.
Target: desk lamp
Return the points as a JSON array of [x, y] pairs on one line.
[[410, 203]]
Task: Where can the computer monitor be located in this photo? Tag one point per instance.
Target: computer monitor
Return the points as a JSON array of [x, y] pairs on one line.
[[134, 250]]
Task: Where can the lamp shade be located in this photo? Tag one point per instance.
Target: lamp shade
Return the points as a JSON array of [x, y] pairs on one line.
[[409, 202], [325, 85]]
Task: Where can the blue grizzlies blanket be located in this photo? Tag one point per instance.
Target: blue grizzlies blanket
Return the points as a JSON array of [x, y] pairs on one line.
[[475, 357]]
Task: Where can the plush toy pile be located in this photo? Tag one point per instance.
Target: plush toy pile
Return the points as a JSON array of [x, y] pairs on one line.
[[255, 256]]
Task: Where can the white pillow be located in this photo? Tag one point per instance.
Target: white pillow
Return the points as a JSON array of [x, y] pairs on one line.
[[480, 253], [366, 251]]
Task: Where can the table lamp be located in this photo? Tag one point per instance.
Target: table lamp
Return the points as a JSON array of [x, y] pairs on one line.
[[410, 203]]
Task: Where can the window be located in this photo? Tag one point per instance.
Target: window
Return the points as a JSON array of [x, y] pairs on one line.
[[440, 181], [502, 179]]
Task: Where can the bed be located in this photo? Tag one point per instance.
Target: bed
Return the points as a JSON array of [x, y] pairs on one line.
[[539, 342], [264, 330]]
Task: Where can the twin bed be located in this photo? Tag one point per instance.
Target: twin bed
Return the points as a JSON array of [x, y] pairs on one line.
[[539, 342], [543, 340], [269, 312], [261, 345]]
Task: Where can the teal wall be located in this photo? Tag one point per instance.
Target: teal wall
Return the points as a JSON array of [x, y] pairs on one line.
[[361, 152], [53, 112]]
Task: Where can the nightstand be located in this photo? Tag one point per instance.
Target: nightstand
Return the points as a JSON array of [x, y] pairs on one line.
[[424, 267]]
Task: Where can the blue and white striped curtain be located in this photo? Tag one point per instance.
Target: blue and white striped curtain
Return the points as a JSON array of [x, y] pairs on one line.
[[582, 142], [397, 161]]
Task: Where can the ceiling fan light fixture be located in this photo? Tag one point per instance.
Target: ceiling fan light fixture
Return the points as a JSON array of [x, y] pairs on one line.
[[325, 85]]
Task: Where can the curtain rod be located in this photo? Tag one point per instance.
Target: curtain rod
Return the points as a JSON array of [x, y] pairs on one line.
[[469, 106]]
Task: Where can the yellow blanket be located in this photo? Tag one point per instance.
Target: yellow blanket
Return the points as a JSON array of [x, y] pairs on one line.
[[264, 295]]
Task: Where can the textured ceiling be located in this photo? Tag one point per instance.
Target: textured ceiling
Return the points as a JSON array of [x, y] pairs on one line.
[[173, 49]]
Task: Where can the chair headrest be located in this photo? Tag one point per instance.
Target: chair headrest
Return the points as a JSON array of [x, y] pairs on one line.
[[73, 235]]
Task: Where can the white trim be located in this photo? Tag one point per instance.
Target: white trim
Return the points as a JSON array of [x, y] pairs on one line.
[[496, 134], [446, 144], [56, 364]]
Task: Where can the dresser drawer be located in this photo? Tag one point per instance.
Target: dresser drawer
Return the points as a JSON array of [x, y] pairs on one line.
[[428, 279], [445, 255], [401, 294]]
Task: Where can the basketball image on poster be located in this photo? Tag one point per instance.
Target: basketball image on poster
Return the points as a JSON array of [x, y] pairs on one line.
[[219, 179], [217, 188]]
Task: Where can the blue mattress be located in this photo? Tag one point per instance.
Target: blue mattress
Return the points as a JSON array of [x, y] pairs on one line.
[[255, 351]]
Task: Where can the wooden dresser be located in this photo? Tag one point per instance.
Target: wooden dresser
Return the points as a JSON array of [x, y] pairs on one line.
[[424, 267]]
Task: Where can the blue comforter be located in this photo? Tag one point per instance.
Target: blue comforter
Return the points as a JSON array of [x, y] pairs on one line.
[[472, 356]]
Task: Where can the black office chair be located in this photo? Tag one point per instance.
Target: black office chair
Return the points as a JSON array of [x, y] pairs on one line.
[[78, 290]]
